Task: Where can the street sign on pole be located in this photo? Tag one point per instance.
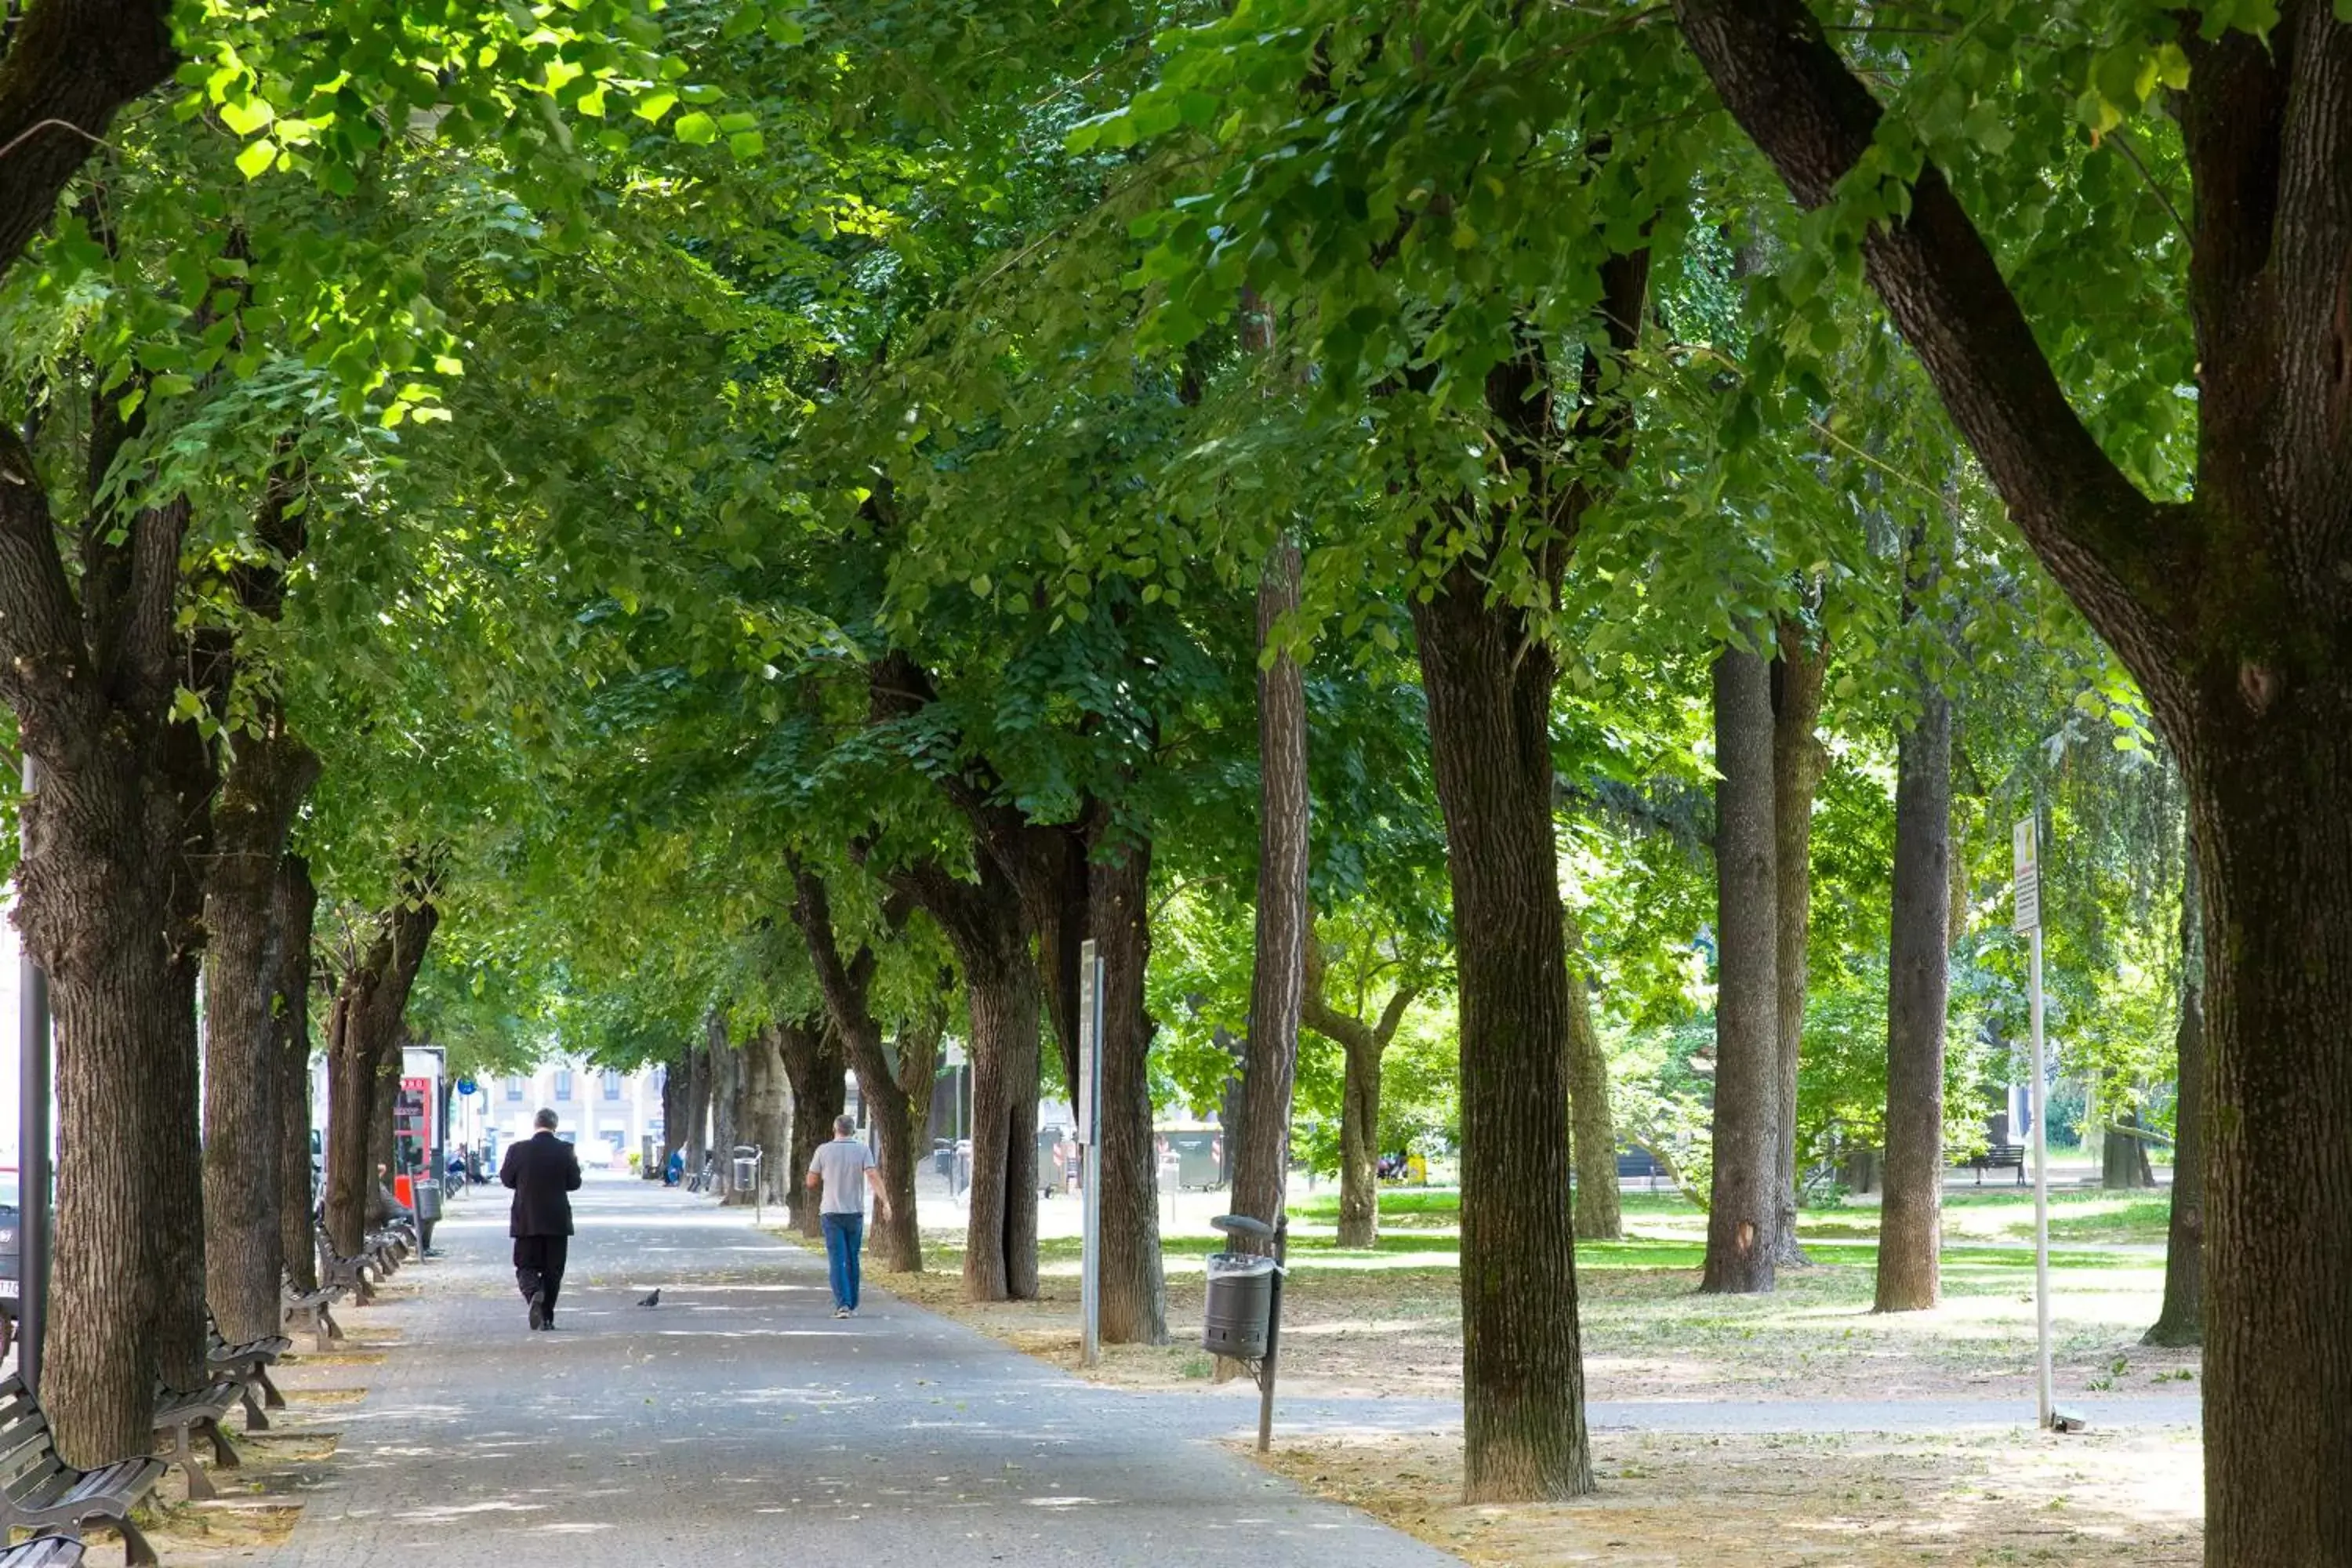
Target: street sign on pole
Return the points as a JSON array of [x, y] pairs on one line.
[[2027, 865], [1089, 1111], [2027, 921]]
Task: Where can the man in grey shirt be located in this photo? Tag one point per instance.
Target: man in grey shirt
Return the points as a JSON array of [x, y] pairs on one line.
[[836, 1172]]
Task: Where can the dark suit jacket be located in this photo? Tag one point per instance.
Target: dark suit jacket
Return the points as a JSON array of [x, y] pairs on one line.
[[541, 1168]]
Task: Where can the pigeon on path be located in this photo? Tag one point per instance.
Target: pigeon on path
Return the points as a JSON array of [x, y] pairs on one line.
[[652, 1301]]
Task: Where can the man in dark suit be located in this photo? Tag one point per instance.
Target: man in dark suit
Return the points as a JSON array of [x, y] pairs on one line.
[[544, 1171]]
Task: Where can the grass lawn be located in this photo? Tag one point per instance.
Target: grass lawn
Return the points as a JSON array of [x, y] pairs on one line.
[[1386, 1320]]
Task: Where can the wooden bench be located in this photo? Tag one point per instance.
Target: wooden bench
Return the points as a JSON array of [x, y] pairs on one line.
[[180, 1418], [44, 1552], [247, 1368], [310, 1312], [357, 1274], [41, 1493], [1999, 1157]]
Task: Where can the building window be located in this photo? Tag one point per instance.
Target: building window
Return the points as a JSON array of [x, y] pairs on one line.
[[563, 1083], [612, 1084], [514, 1091]]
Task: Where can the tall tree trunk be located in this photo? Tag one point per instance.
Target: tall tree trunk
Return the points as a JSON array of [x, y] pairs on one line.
[[174, 1209], [698, 1075], [816, 1075], [365, 1031], [1489, 687], [1743, 1218], [2182, 1320], [673, 1098], [2123, 1155], [2230, 610], [1360, 1145], [766, 1117], [1797, 763], [295, 908], [1261, 1157], [244, 1125], [1592, 1140], [383, 1116], [97, 924], [1488, 670], [1910, 1231], [984, 923], [1134, 1295], [1362, 1046], [848, 991], [726, 1102]]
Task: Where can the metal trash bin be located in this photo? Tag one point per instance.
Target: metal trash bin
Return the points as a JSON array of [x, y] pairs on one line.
[[1240, 1300], [747, 1167], [427, 1193]]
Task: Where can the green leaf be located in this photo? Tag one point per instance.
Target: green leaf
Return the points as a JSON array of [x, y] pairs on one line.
[[747, 145], [247, 116], [695, 129], [653, 105], [255, 161]]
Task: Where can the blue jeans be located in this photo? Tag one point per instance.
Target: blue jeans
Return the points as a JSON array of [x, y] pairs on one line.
[[845, 1236]]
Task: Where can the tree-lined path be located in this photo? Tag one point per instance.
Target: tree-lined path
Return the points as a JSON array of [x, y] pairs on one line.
[[738, 1420]]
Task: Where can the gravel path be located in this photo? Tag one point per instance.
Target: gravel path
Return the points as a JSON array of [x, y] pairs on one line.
[[738, 1423]]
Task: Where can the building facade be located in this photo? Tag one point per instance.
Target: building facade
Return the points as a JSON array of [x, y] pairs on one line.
[[607, 1114]]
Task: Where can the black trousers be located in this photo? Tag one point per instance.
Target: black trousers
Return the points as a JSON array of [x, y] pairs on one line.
[[538, 1266]]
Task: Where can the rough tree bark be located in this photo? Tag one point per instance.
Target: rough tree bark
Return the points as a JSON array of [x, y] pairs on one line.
[[847, 988], [1910, 1232], [983, 923], [2182, 1320], [108, 837], [1743, 1218], [674, 1076], [2232, 613], [384, 1115], [767, 1116], [725, 1100], [244, 1124], [1362, 1046], [1592, 1135], [88, 664], [1798, 759], [2122, 1153], [1262, 1152], [296, 908], [698, 1067], [818, 1077], [1072, 882], [365, 1029], [1134, 1295], [1488, 673]]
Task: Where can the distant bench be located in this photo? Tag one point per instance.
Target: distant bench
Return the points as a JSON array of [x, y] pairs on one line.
[[1998, 1157], [310, 1312]]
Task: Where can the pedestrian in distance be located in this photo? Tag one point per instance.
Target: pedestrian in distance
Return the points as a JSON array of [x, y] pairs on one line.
[[836, 1173], [544, 1171]]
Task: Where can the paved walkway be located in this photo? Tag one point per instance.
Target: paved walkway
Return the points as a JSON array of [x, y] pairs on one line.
[[738, 1422]]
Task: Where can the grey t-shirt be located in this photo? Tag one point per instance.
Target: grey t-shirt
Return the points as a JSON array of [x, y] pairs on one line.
[[843, 1163]]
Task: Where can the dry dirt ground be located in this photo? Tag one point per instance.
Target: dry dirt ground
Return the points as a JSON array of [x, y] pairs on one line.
[[1782, 1501], [262, 1498], [1386, 1323]]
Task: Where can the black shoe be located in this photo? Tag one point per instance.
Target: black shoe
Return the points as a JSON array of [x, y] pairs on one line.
[[538, 1309]]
